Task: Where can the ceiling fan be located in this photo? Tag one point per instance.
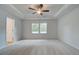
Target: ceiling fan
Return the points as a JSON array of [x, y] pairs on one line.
[[39, 9]]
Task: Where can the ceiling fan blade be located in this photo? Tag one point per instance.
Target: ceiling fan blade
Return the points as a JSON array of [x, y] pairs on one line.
[[41, 5], [41, 14], [45, 10], [31, 8], [33, 12]]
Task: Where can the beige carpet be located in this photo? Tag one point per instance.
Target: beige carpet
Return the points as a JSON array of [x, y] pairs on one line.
[[39, 47]]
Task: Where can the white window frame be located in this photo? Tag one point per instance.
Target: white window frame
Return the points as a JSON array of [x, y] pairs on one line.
[[39, 32], [32, 29]]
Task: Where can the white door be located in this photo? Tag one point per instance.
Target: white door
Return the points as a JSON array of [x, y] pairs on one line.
[[10, 30]]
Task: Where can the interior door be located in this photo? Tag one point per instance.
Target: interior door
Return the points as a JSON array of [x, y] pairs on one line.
[[10, 30]]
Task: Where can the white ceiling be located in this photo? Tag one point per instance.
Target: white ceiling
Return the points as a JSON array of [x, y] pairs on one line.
[[22, 11], [28, 13]]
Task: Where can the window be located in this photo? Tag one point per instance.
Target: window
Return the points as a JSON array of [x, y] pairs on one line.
[[35, 28], [43, 27], [39, 28]]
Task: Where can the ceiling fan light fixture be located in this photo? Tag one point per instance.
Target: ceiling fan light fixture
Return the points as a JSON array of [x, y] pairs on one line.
[[39, 12], [39, 9]]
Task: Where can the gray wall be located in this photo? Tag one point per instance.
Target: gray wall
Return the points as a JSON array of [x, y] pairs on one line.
[[68, 28], [18, 29], [27, 29], [3, 15], [2, 31]]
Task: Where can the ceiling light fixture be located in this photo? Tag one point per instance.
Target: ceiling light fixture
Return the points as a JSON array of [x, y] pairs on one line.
[[39, 12], [39, 9]]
